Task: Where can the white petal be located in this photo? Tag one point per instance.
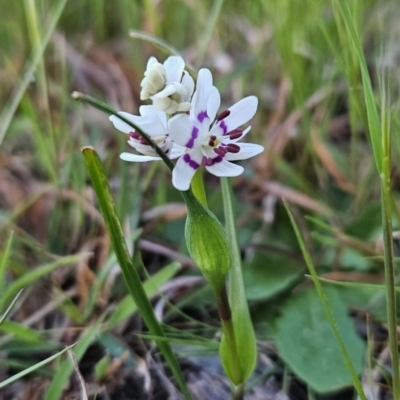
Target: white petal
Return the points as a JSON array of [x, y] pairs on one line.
[[225, 168], [247, 150], [166, 105], [167, 91], [150, 124], [137, 157], [184, 107], [214, 102], [147, 110], [174, 66], [152, 61], [241, 112], [121, 125], [185, 168], [183, 132], [188, 84], [176, 151], [203, 87]]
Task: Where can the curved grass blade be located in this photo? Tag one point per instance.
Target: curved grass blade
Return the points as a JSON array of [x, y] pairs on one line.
[[34, 367], [131, 276], [327, 308], [31, 276], [10, 307], [162, 45], [36, 56]]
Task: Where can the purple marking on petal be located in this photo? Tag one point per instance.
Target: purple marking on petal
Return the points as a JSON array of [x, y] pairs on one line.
[[193, 164], [202, 116], [211, 161], [223, 126], [195, 134]]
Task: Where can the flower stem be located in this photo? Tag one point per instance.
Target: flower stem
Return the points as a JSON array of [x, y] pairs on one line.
[[238, 392], [198, 187], [225, 315]]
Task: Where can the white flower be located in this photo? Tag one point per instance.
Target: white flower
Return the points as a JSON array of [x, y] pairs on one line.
[[155, 124], [209, 140], [168, 85]]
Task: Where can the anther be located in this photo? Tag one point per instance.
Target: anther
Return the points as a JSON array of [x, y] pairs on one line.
[[232, 148], [223, 115], [212, 140], [221, 151], [134, 135], [236, 133]]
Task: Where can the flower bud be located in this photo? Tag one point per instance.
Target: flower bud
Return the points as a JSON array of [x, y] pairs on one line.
[[207, 242], [154, 80]]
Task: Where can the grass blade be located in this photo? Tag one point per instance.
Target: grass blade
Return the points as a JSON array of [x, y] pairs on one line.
[[32, 276], [131, 276], [4, 260], [372, 112], [36, 57], [327, 309], [34, 367], [10, 307]]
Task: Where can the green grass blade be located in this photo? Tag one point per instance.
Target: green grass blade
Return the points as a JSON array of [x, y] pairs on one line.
[[34, 367], [327, 309], [372, 112], [9, 110], [4, 260], [131, 276], [31, 276], [10, 307], [208, 31], [243, 327], [162, 45]]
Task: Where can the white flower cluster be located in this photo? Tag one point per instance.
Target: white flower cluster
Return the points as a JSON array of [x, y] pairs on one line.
[[185, 125]]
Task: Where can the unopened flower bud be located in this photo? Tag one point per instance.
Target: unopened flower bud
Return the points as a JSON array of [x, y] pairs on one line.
[[153, 81], [207, 242]]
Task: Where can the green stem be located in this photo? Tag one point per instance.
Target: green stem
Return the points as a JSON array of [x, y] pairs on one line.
[[197, 186], [238, 392], [228, 330]]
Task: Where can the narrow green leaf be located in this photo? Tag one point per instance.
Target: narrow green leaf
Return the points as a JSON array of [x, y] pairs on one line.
[[32, 276], [34, 367], [244, 332], [131, 276], [161, 44], [21, 332], [31, 65], [10, 307], [369, 98], [4, 260], [327, 308]]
